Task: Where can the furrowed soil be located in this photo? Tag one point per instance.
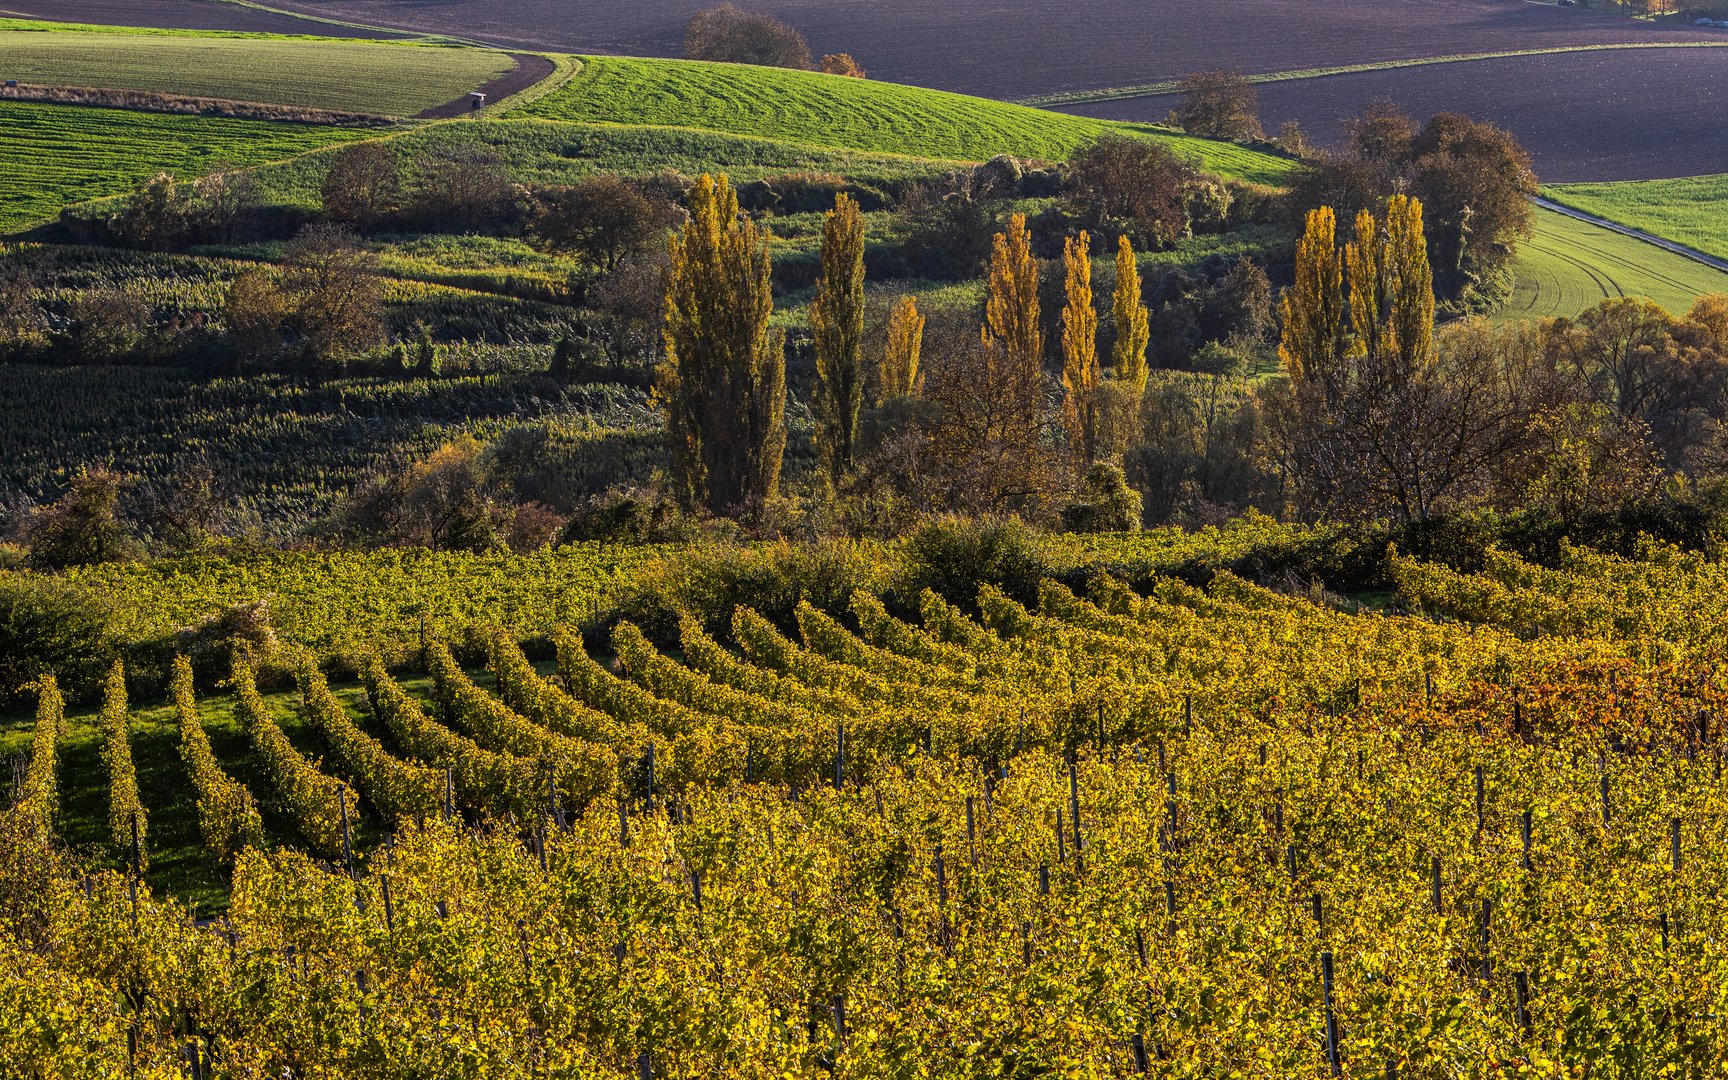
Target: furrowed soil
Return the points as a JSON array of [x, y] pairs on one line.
[[1026, 48], [1640, 114], [180, 15]]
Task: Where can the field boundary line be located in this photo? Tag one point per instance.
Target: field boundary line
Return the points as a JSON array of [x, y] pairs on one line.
[[1637, 234], [1170, 86]]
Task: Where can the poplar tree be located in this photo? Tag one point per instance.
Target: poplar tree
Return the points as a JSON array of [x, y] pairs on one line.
[[1080, 349], [899, 375], [837, 325], [1132, 323], [723, 384], [1410, 284], [1313, 341], [1011, 307]]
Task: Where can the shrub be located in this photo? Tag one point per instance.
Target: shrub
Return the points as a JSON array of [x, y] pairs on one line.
[[1220, 105], [1131, 185], [83, 528], [50, 625], [732, 35], [1107, 503], [953, 557], [843, 64]]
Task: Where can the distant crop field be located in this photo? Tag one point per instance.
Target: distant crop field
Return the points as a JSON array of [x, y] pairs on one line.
[[1569, 265], [856, 114], [185, 15], [1692, 210], [1585, 117], [350, 76], [1032, 47], [54, 155]]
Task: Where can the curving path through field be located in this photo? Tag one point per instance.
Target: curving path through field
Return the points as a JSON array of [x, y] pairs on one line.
[[530, 69], [1637, 234]]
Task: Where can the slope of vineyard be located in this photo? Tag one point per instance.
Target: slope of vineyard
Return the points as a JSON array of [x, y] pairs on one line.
[[1170, 830]]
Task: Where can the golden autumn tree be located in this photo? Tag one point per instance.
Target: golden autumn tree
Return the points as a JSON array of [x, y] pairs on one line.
[[723, 383], [837, 327], [1409, 284], [1080, 374], [1128, 356], [1011, 306], [900, 375], [1313, 340]]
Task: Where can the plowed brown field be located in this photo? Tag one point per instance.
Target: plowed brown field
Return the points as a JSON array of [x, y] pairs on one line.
[[1023, 48], [1633, 115]]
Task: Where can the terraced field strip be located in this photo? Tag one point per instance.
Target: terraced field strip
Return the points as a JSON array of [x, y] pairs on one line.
[[829, 111], [56, 155], [1170, 86], [352, 76], [1569, 265]]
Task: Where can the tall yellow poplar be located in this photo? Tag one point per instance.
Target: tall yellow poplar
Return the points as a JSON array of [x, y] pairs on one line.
[[900, 376], [1080, 348], [837, 327], [1365, 271], [723, 385], [1011, 305], [1132, 322], [1410, 284], [1313, 308]]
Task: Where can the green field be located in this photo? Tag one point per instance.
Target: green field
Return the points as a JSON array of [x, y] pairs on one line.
[[348, 76], [56, 155], [1569, 265], [827, 110], [1692, 210]]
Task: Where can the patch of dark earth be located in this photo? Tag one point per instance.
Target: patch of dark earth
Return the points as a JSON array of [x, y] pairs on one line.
[[1585, 117], [1013, 49]]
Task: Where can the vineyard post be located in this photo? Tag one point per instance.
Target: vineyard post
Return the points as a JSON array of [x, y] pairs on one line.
[[1100, 745], [1290, 860], [1319, 914], [696, 889], [389, 908], [1521, 982], [1606, 817], [1674, 843], [1481, 798], [839, 755], [1061, 841], [971, 832], [449, 794], [132, 887], [1428, 679], [1435, 886], [1044, 880], [1487, 917], [1332, 1058], [1138, 1042], [1524, 828], [650, 776], [347, 836], [1662, 921], [1074, 811], [644, 1067], [360, 986], [839, 1008], [137, 847]]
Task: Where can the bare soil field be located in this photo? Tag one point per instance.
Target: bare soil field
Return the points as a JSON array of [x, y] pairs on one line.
[[1632, 115], [1023, 48], [178, 15]]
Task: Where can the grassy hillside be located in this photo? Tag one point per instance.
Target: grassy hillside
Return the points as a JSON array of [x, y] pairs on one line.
[[1569, 265], [1692, 210], [826, 110], [55, 155], [349, 76]]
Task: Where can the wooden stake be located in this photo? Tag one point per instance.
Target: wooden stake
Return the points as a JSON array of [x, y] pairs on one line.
[[1333, 1060]]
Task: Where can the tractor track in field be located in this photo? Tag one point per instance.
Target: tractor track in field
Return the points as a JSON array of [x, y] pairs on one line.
[[1637, 234]]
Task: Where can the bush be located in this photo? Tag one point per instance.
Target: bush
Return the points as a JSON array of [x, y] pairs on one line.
[[953, 557], [1108, 504], [711, 581], [49, 625], [731, 35]]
